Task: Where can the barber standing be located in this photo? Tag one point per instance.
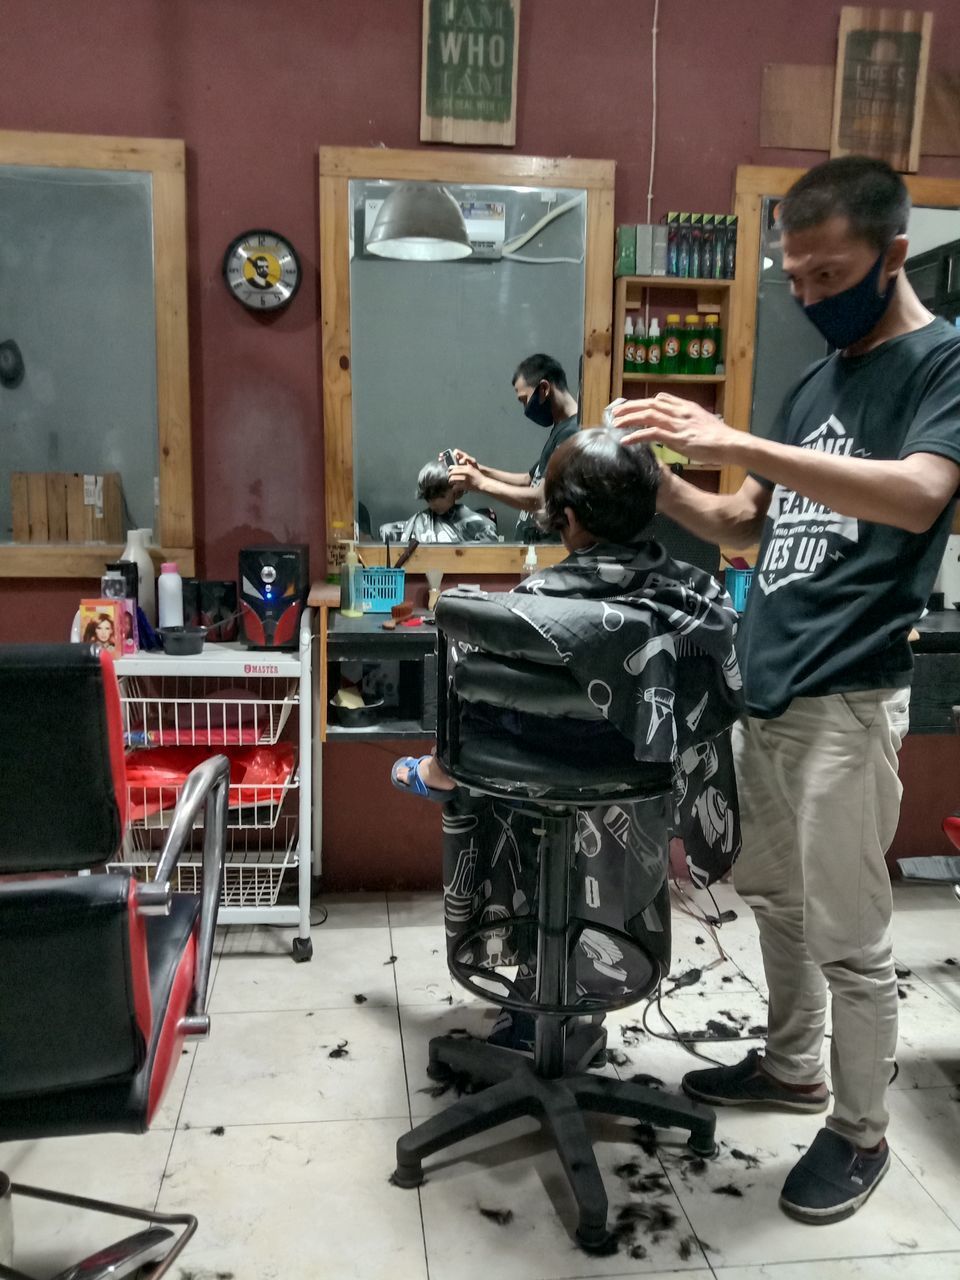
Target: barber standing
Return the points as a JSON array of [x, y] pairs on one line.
[[541, 387], [853, 496]]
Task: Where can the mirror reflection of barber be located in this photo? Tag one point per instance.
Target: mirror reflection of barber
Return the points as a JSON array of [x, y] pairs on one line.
[[541, 389]]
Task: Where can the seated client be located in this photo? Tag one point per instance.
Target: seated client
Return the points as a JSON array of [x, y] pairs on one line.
[[650, 642], [446, 519]]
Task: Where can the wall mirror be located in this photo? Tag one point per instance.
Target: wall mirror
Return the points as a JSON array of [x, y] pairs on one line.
[[94, 375], [418, 356], [772, 342]]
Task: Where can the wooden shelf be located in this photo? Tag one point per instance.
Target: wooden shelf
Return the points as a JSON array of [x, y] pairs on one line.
[[675, 377], [677, 282]]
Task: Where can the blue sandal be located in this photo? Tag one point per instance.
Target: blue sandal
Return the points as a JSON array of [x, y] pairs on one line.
[[414, 783]]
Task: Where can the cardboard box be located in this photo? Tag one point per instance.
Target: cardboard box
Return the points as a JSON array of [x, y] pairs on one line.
[[101, 623], [626, 250]]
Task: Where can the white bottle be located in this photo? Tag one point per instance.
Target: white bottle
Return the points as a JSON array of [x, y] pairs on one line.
[[530, 563], [136, 550], [170, 595]]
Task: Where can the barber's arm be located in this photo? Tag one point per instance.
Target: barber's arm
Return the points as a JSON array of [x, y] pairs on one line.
[[907, 493], [731, 520], [465, 459], [514, 490]]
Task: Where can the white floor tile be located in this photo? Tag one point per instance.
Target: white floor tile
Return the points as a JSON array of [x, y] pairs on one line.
[[900, 1216], [268, 1068], [408, 910], [928, 1043], [166, 1117], [257, 974], [353, 910], [926, 931], [925, 1134], [281, 1201], [120, 1167], [421, 967], [917, 1266], [517, 1171]]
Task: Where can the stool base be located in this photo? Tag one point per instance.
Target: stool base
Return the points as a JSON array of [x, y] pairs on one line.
[[515, 1089]]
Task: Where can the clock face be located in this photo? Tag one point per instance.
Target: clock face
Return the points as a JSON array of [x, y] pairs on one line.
[[262, 270]]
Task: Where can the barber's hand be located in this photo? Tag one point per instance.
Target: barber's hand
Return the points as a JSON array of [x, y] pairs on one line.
[[466, 475], [463, 458], [680, 424]]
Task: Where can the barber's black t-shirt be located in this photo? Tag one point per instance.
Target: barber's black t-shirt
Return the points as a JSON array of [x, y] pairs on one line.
[[833, 597], [527, 528]]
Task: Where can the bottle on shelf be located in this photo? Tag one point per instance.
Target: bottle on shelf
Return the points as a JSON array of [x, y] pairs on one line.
[[530, 561], [654, 349], [690, 345], [670, 362], [710, 345], [113, 586], [170, 595], [136, 550], [640, 341], [629, 346], [351, 593]]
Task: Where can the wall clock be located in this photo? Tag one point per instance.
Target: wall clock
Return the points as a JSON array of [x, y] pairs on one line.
[[262, 270]]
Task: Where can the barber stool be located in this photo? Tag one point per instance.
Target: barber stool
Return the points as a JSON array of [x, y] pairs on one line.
[[502, 664]]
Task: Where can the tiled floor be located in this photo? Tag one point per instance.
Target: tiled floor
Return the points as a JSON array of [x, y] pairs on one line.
[[284, 1152]]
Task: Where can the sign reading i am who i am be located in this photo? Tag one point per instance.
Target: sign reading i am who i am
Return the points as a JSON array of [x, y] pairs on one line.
[[468, 80]]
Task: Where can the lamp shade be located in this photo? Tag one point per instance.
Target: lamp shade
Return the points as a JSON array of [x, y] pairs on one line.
[[419, 222]]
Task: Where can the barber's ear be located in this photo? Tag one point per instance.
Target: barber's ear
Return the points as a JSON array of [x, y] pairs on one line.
[[896, 255]]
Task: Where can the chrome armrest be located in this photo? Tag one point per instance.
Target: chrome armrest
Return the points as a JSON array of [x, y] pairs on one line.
[[207, 786]]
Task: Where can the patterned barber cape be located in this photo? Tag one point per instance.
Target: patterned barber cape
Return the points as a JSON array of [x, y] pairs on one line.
[[651, 643]]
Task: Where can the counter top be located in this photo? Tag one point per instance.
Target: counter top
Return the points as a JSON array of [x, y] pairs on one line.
[[938, 632]]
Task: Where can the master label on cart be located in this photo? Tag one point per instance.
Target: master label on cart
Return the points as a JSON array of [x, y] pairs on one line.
[[260, 669]]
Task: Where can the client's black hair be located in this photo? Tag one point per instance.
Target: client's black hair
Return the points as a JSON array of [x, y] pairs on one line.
[[611, 487], [535, 368], [433, 481]]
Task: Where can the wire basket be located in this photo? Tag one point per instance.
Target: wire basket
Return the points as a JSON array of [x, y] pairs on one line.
[[381, 589], [179, 711], [255, 862]]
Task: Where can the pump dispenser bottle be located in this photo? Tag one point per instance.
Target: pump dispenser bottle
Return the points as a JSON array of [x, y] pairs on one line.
[[351, 597]]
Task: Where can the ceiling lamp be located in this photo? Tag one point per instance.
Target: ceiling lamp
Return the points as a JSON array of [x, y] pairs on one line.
[[419, 222]]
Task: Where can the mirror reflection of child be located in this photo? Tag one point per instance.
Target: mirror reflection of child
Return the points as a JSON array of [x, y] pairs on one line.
[[446, 518], [99, 630]]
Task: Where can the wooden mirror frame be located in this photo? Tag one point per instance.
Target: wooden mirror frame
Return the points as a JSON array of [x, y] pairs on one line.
[[164, 159], [753, 182], [338, 166]]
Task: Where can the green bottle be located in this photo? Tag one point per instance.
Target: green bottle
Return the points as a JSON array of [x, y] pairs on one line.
[[690, 345], [629, 347], [670, 362], [710, 345], [639, 346]]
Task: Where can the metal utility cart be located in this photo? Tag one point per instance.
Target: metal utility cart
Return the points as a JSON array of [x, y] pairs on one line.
[[230, 696]]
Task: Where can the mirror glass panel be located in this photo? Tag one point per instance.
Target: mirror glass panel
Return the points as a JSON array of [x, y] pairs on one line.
[[435, 344], [787, 343], [76, 261]]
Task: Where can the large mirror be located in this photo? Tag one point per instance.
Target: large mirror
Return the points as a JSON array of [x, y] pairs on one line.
[[419, 356], [94, 379]]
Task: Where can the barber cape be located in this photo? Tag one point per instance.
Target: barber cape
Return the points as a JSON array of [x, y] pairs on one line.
[[651, 643], [459, 524]]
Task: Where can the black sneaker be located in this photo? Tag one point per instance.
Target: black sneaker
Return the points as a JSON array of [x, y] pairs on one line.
[[746, 1084], [831, 1179]]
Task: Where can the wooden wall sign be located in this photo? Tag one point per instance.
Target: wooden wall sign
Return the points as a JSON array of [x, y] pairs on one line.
[[880, 84], [468, 75]]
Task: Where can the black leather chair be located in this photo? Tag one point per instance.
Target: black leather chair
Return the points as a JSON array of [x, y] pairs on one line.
[[506, 665], [101, 976]]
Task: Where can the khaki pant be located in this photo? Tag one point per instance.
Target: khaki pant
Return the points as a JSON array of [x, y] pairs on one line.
[[820, 800]]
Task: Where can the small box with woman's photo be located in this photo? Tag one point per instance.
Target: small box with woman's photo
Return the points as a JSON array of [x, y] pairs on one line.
[[101, 622]]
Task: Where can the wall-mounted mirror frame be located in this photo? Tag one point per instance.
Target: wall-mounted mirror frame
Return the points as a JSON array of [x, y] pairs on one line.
[[164, 159], [338, 165], [753, 183]]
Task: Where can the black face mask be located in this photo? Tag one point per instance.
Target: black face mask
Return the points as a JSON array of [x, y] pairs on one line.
[[849, 316], [538, 410]]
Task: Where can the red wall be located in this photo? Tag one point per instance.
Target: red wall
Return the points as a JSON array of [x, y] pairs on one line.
[[254, 89]]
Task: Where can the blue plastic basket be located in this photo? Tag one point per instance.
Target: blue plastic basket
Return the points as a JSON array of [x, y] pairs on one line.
[[737, 582], [381, 589]]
